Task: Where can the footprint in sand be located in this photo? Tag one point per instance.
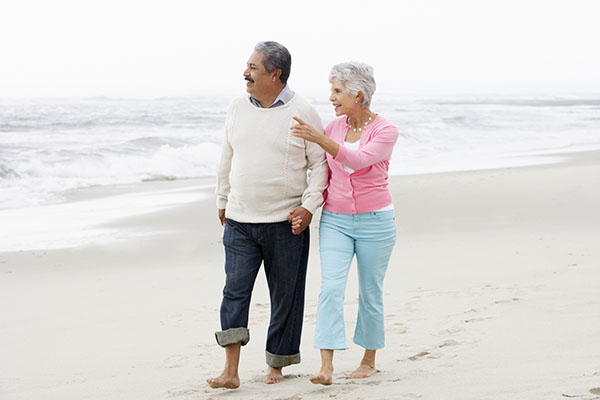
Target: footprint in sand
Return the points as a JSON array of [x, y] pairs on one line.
[[175, 361], [419, 355], [423, 354], [412, 396], [449, 331], [506, 301], [399, 328], [186, 392], [448, 343], [204, 345], [476, 319]]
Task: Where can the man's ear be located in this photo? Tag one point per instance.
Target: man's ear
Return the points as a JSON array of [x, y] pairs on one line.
[[276, 74]]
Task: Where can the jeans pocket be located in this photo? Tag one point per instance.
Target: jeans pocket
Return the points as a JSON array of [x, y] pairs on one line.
[[231, 231], [226, 232]]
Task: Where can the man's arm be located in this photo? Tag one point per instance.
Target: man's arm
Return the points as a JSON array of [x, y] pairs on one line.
[[318, 176], [224, 168]]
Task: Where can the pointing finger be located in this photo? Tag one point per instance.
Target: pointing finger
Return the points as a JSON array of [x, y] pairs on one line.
[[299, 121]]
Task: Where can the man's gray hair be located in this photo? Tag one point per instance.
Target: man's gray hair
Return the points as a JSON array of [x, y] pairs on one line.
[[356, 77], [275, 56]]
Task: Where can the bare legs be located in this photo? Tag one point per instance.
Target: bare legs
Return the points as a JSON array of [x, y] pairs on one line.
[[325, 375], [229, 378], [366, 367], [274, 375]]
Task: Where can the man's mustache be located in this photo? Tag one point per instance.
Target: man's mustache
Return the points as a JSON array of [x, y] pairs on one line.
[[249, 79]]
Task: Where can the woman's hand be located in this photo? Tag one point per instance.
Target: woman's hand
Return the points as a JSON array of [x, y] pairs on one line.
[[305, 131], [308, 133], [300, 218]]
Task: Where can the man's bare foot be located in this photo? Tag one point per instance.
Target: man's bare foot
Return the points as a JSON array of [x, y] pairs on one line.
[[274, 375], [325, 377], [225, 381], [363, 371]]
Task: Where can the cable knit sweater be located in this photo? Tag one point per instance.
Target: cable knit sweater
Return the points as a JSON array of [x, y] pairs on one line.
[[264, 171]]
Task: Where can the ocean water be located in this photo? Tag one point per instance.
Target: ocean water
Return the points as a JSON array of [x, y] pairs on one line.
[[48, 147]]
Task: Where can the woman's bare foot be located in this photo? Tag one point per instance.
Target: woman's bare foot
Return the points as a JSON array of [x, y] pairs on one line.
[[363, 371], [325, 377], [274, 375], [225, 381]]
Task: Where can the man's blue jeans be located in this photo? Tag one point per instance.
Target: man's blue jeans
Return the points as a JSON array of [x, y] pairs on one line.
[[285, 258]]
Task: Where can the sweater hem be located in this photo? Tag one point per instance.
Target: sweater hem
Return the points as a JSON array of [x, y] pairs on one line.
[[256, 219]]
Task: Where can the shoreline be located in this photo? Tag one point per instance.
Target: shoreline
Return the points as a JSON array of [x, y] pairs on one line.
[[542, 157]]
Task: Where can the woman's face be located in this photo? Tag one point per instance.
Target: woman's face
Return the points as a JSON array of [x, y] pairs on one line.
[[343, 102]]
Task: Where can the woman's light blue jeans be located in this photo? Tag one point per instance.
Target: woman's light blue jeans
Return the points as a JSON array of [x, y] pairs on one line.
[[371, 236]]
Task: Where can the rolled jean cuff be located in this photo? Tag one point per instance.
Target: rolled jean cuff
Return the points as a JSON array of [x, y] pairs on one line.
[[233, 335], [277, 361]]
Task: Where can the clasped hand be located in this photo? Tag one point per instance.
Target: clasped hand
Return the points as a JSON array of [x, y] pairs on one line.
[[300, 218]]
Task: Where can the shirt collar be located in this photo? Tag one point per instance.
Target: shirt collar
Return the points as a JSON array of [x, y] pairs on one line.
[[282, 98]]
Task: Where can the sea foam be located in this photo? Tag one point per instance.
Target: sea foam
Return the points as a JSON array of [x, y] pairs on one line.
[[50, 146]]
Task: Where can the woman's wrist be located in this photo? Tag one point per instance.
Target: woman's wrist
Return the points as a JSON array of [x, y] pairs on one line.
[[330, 146]]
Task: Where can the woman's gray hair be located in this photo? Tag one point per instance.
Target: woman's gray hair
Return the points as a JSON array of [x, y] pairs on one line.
[[275, 56], [356, 77]]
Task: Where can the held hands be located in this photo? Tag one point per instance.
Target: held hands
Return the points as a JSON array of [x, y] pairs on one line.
[[300, 218], [305, 131]]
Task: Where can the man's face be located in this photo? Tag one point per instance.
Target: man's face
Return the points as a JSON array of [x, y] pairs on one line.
[[258, 82]]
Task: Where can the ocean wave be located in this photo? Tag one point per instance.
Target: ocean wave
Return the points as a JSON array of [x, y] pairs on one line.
[[35, 180], [47, 147], [8, 173], [524, 102], [110, 113]]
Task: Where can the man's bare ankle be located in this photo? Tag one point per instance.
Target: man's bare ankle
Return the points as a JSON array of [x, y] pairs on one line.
[[274, 375]]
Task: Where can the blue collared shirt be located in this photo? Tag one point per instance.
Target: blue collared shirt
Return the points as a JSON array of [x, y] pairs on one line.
[[283, 97]]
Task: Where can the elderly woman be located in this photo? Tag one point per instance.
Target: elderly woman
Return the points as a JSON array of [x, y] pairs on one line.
[[357, 218]]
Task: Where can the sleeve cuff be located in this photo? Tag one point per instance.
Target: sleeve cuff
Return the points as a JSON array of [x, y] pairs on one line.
[[221, 202], [312, 204], [341, 155]]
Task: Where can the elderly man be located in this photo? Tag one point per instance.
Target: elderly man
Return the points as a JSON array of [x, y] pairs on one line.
[[265, 178]]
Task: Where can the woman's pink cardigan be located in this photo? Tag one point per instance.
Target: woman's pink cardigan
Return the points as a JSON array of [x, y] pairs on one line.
[[366, 189]]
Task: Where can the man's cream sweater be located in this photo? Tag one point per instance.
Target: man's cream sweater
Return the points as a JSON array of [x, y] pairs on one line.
[[264, 171]]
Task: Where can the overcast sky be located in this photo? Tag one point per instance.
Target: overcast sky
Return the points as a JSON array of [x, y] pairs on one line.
[[185, 47]]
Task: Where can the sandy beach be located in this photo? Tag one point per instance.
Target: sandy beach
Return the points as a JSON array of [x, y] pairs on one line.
[[492, 293]]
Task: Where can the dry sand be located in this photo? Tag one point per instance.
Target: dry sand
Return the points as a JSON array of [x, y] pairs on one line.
[[493, 292]]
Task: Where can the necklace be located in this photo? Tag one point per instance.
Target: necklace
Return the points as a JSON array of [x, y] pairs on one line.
[[360, 128]]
